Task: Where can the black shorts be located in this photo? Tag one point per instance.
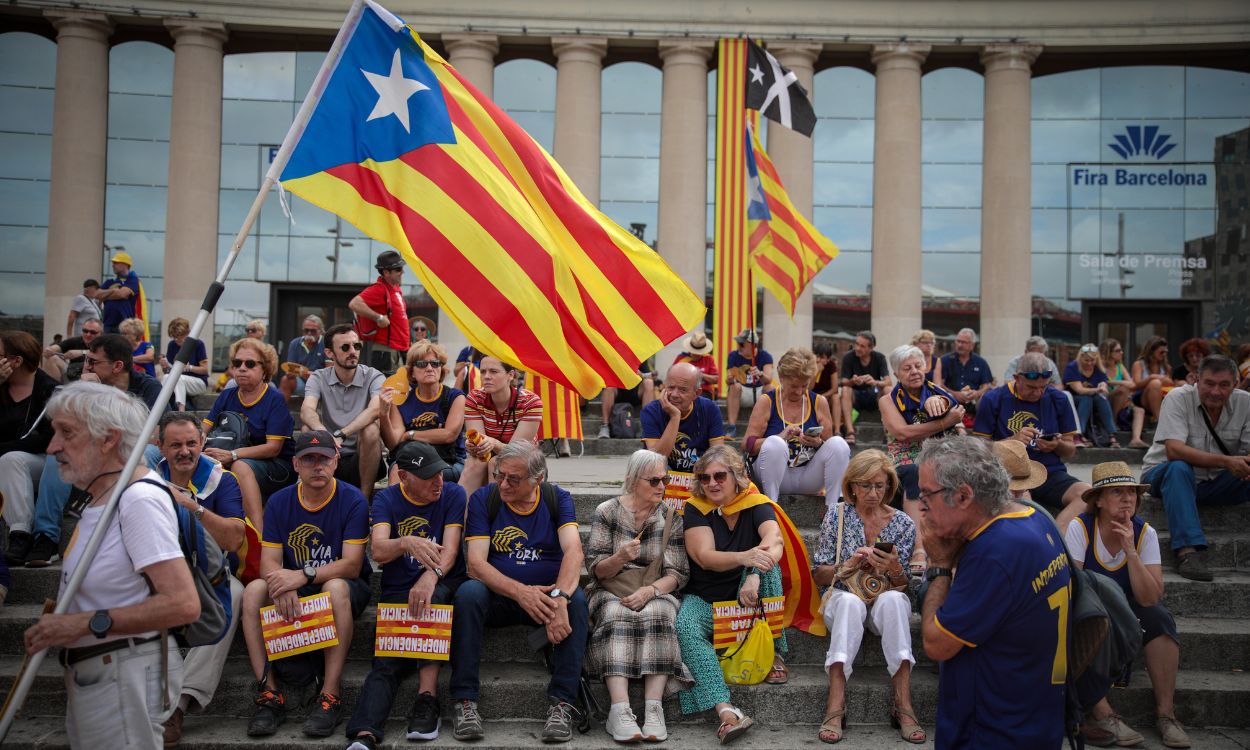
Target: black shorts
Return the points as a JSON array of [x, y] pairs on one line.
[[349, 468], [1155, 621], [865, 398], [1050, 493]]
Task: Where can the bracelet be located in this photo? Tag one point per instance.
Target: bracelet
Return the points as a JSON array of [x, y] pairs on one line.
[[657, 591], [750, 443]]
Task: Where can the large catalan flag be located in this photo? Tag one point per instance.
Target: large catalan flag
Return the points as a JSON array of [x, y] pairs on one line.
[[562, 409], [407, 150]]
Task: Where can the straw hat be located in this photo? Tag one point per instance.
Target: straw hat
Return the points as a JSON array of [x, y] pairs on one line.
[[431, 330], [1112, 474], [698, 343], [1026, 473]]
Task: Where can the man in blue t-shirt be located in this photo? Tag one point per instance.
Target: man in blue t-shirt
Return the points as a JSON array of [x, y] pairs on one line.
[[679, 424], [747, 367], [964, 373], [417, 527], [1029, 410], [119, 295], [525, 558], [313, 542], [995, 622]]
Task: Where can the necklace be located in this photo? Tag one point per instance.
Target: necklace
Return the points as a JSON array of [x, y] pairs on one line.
[[781, 413]]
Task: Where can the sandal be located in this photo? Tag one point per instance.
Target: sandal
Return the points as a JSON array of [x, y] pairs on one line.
[[829, 732], [730, 731], [908, 728], [778, 675], [1139, 444], [919, 562], [850, 438], [1114, 443]]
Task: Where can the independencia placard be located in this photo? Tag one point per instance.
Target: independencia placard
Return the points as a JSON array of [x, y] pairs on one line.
[[427, 637], [313, 630], [680, 483], [731, 621]]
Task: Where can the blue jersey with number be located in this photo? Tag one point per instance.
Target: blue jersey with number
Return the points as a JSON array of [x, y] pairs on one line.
[[316, 534], [267, 417], [406, 517], [1001, 414], [695, 433], [1008, 606], [525, 548]]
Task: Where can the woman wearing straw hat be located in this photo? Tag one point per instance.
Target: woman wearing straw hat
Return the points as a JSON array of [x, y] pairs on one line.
[[697, 350], [1111, 539]]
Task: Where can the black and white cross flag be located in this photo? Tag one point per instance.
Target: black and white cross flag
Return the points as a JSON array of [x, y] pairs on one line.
[[776, 92]]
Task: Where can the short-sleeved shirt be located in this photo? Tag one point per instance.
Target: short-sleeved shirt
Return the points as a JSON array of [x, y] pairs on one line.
[[339, 403], [973, 374], [384, 299], [87, 309], [706, 365], [525, 548], [147, 388], [523, 406], [314, 358], [74, 342], [316, 536], [221, 494], [1007, 605], [695, 433], [117, 310], [799, 453], [171, 353], [149, 368], [406, 517], [1100, 560], [1179, 419], [471, 355], [1002, 415], [1072, 374], [877, 367], [421, 415], [722, 585], [735, 361], [267, 417], [825, 379]]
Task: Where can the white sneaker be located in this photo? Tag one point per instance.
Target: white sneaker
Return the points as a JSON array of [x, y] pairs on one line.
[[604, 432], [653, 728], [622, 724]]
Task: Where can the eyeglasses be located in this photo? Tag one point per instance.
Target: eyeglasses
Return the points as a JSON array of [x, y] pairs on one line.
[[244, 364], [90, 361], [512, 480], [657, 481], [1043, 375], [348, 347], [314, 459], [715, 477], [252, 329], [869, 487], [421, 364], [926, 494]]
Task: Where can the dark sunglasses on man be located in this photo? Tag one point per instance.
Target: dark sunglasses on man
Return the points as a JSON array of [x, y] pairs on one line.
[[348, 347], [1043, 375]]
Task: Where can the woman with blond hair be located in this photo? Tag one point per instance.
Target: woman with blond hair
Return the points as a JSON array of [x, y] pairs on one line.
[[1087, 381], [430, 411], [144, 355], [194, 379], [925, 341]]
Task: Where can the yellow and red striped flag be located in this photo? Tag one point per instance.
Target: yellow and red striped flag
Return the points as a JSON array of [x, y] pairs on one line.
[[786, 250], [562, 409], [733, 296], [403, 147]]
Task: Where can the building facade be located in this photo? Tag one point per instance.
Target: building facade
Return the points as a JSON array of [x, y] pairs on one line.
[[1071, 168]]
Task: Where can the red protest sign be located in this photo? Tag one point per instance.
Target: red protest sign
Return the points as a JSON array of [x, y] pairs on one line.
[[731, 621]]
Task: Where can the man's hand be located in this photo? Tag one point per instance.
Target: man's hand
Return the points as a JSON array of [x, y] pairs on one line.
[[749, 594], [6, 369], [282, 581], [1048, 446], [669, 407], [537, 604], [421, 594], [1027, 435], [383, 321], [287, 605], [1238, 466], [956, 415], [943, 551], [558, 627], [425, 551], [56, 630], [183, 497]]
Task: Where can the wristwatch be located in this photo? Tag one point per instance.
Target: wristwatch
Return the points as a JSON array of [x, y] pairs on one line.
[[234, 456], [338, 434], [438, 573], [100, 623], [932, 573], [199, 513], [558, 593], [310, 572]]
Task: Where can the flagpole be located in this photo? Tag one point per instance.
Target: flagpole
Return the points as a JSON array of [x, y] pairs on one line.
[[30, 667]]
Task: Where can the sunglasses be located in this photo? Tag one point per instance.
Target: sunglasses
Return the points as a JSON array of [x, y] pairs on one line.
[[657, 481], [419, 328], [1088, 349], [253, 330], [348, 347], [244, 364], [715, 477], [421, 364], [513, 480], [1043, 375]]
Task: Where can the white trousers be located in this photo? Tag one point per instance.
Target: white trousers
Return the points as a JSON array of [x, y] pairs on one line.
[[188, 385], [19, 478], [824, 471], [889, 617], [202, 666], [115, 700]]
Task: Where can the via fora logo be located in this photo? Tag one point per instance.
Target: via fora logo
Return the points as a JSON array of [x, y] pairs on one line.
[[1142, 140]]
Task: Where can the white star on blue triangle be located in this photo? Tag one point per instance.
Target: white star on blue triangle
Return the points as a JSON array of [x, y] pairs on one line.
[[757, 207]]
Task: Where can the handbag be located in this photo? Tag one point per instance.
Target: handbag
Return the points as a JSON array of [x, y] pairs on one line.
[[866, 584], [752, 660], [627, 581]]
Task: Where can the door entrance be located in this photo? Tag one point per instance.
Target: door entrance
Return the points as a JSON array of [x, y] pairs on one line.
[[289, 304], [1136, 321]]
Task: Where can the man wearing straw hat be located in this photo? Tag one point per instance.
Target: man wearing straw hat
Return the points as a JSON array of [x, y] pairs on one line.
[[1025, 473]]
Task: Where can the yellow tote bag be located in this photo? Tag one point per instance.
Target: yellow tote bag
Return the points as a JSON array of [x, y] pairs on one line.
[[750, 662]]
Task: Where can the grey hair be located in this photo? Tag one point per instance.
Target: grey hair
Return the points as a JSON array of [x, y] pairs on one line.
[[903, 353], [527, 453], [960, 460], [639, 463], [1034, 342], [971, 333], [1216, 364], [101, 409], [316, 319], [1033, 362]]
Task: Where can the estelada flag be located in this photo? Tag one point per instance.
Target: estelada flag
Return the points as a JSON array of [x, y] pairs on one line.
[[402, 146]]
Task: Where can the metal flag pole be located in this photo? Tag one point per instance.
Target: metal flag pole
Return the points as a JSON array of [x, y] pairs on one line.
[[30, 667]]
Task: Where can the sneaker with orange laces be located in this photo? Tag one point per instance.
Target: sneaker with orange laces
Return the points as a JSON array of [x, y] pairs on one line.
[[324, 717], [270, 712]]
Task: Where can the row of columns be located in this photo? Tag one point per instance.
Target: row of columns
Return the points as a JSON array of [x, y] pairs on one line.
[[79, 148]]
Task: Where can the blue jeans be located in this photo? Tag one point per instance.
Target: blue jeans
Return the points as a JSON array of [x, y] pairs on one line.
[[478, 608], [1086, 404], [1174, 481], [54, 493]]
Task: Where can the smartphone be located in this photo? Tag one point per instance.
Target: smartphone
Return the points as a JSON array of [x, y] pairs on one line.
[[886, 547], [1049, 436], [814, 431]]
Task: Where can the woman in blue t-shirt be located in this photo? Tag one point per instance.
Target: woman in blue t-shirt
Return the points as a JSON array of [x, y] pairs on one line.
[[194, 380], [144, 356], [1086, 379], [430, 411]]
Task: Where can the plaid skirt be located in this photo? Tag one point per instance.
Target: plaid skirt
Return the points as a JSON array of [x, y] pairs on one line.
[[633, 644]]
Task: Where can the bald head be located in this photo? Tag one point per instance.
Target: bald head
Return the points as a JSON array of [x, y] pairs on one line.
[[681, 385]]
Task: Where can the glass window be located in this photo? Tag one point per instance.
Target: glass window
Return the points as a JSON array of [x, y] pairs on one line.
[[842, 185], [135, 207], [842, 178], [625, 179], [1216, 93], [629, 166], [26, 109], [526, 90], [952, 94], [631, 135], [265, 76], [27, 60], [1063, 141], [16, 255], [244, 121], [951, 185], [138, 162], [849, 228], [955, 274], [139, 116], [23, 294], [845, 93], [273, 259], [839, 140], [632, 87], [25, 156], [1143, 91], [952, 230], [23, 202], [1071, 95], [141, 68]]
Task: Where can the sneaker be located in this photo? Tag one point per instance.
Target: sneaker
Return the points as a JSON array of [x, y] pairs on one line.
[[604, 432], [1172, 733], [466, 722], [653, 727], [559, 726], [1120, 733], [324, 716], [44, 552], [424, 720], [173, 728], [730, 429], [621, 724], [270, 713], [363, 742], [1191, 566], [19, 548]]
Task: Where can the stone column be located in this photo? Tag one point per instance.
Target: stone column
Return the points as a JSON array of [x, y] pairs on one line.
[[194, 170], [896, 256], [579, 72], [474, 56], [682, 233], [791, 153], [1006, 263], [79, 153]]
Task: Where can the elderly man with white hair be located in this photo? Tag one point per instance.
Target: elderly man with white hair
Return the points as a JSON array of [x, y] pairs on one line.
[[964, 373]]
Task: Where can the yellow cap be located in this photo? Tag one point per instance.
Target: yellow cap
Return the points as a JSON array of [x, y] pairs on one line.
[[122, 258]]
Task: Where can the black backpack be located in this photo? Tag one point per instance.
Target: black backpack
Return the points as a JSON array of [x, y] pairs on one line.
[[229, 432], [623, 424], [546, 493]]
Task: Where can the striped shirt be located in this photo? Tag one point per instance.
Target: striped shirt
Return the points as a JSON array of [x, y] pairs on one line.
[[524, 406]]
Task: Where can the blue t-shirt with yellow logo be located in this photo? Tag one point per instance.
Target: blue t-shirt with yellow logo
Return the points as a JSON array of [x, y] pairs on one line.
[[426, 415], [393, 507], [316, 535], [1001, 415], [695, 432], [525, 548], [1008, 606], [267, 417]]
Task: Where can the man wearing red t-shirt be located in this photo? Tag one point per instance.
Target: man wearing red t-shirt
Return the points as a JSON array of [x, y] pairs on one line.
[[381, 316]]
